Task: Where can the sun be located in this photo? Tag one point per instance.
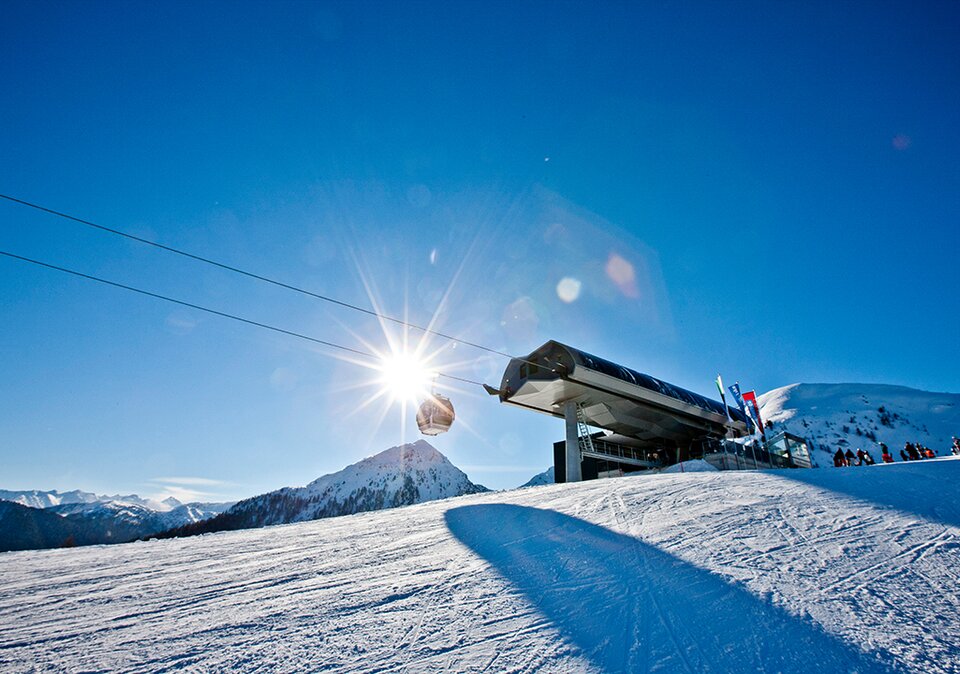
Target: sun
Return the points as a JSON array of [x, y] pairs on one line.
[[405, 377]]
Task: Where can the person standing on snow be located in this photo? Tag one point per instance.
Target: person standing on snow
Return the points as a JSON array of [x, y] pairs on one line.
[[838, 460], [912, 451], [851, 458], [904, 455], [886, 455]]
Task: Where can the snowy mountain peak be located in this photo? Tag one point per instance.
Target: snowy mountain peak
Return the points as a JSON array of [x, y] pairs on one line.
[[546, 477], [419, 452], [133, 499], [402, 475], [417, 468], [34, 498], [412, 456]]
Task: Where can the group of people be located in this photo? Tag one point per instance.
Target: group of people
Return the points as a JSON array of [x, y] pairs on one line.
[[916, 451], [912, 451], [848, 458]]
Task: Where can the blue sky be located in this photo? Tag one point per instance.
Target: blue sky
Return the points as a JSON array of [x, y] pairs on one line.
[[767, 190]]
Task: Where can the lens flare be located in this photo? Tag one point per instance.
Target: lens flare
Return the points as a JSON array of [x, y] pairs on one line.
[[568, 289], [622, 273], [405, 377]]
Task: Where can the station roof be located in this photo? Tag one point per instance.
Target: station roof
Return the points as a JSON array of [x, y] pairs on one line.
[[613, 397]]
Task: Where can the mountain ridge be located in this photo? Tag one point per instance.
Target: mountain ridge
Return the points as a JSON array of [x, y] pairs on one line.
[[860, 416], [44, 519], [402, 475]]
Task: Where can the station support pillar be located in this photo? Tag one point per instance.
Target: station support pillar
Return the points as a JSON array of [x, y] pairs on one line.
[[573, 443]]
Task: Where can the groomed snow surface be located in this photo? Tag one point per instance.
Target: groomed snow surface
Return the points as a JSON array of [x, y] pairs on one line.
[[849, 570]]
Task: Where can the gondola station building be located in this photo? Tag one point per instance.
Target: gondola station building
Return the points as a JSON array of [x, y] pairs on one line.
[[645, 423]]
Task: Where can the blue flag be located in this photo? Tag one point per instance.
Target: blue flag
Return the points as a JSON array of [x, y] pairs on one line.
[[735, 391]]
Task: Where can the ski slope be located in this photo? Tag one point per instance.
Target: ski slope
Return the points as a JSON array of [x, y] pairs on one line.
[[825, 570]]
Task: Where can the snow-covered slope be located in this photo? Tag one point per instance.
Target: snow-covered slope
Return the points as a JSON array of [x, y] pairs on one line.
[[695, 466], [754, 571], [861, 415], [402, 475]]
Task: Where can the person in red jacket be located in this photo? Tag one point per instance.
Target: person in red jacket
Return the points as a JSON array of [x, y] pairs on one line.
[[887, 458], [930, 453]]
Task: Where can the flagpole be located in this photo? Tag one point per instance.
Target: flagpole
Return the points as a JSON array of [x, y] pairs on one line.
[[726, 409]]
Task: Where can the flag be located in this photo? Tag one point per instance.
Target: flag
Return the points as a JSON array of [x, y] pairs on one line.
[[751, 397], [735, 391], [723, 396]]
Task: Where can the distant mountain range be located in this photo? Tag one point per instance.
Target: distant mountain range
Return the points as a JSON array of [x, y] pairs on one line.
[[49, 499], [48, 519], [402, 475]]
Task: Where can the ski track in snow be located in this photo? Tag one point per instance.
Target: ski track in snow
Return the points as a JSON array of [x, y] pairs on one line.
[[769, 571]]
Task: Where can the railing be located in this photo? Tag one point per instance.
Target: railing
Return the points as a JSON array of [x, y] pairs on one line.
[[780, 452], [622, 454]]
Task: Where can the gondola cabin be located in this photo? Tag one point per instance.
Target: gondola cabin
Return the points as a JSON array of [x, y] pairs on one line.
[[435, 415]]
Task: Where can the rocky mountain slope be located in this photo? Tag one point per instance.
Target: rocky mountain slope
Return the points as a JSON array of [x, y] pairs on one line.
[[26, 528]]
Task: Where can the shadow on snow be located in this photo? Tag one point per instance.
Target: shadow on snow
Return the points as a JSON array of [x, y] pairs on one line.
[[631, 607]]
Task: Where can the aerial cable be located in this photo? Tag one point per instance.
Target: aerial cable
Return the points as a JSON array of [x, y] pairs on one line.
[[215, 312], [252, 275]]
